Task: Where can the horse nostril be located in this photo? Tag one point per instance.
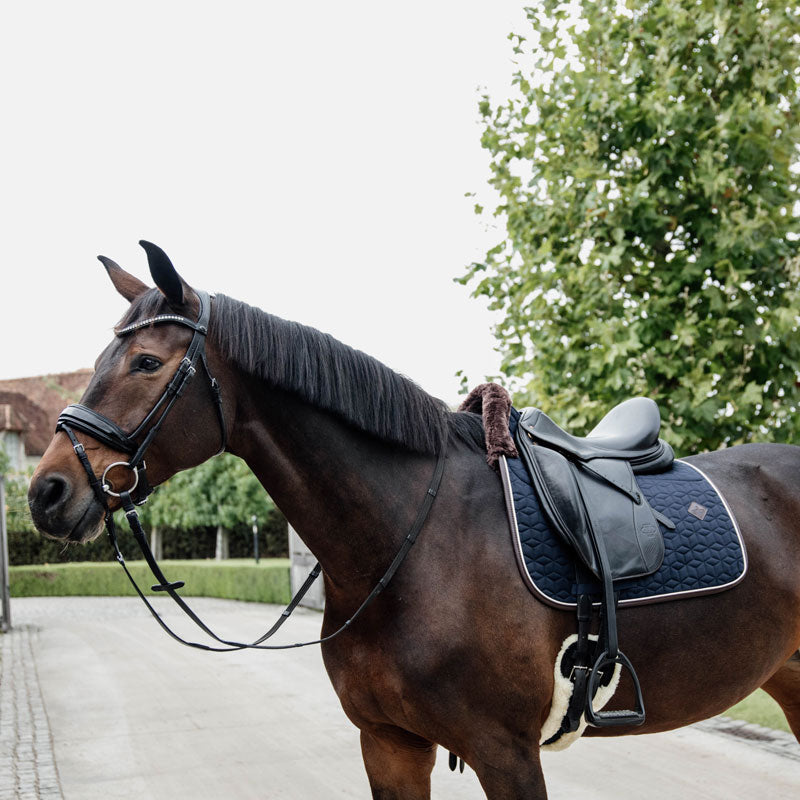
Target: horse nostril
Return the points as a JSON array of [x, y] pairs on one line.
[[52, 492]]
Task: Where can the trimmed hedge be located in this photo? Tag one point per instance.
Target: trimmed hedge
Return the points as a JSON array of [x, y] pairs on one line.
[[265, 582], [25, 547]]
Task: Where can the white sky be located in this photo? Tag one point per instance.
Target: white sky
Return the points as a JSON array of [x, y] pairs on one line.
[[310, 158]]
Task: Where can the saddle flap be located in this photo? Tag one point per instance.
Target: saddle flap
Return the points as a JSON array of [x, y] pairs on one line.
[[595, 505], [629, 529]]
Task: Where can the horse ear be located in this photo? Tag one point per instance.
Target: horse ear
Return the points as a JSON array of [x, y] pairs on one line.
[[164, 274], [126, 284]]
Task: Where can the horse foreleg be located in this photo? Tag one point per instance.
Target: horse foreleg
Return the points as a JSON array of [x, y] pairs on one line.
[[784, 687], [513, 777], [398, 763]]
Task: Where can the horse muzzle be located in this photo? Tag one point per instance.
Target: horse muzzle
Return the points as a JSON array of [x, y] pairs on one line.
[[61, 511]]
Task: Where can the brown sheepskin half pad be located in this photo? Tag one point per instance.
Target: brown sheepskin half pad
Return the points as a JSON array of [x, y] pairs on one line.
[[493, 402]]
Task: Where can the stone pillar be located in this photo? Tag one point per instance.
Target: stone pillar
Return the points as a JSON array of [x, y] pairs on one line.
[[221, 551], [302, 562], [156, 543]]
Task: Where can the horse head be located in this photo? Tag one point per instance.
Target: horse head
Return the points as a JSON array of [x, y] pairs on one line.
[[158, 347]]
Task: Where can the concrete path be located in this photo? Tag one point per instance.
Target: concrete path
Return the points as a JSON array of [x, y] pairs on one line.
[[131, 714]]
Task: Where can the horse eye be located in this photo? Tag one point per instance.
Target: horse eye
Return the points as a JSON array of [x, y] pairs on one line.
[[146, 364]]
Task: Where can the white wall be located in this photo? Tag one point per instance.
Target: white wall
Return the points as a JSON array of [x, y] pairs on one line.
[[11, 442]]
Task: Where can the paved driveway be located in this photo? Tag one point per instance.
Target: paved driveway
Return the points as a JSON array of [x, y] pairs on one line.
[[96, 702]]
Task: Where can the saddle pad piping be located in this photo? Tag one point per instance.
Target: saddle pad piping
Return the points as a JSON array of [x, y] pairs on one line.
[[636, 601]]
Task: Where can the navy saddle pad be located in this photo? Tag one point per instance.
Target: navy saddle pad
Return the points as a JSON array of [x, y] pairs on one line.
[[705, 552]]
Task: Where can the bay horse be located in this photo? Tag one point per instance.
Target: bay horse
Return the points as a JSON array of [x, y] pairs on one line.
[[456, 651]]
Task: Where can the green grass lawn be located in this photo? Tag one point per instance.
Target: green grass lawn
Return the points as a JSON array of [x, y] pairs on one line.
[[234, 579], [760, 708]]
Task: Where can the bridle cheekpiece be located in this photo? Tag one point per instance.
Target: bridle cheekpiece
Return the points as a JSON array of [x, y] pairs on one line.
[[135, 444]]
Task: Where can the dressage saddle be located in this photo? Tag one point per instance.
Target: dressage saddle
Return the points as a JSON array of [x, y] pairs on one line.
[[588, 489], [588, 492]]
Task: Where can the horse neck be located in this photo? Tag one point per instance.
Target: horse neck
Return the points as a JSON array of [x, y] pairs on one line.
[[350, 497]]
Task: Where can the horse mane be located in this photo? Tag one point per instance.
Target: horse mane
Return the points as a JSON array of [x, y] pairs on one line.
[[330, 375]]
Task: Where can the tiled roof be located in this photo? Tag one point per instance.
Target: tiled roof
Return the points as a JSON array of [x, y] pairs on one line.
[[36, 403]]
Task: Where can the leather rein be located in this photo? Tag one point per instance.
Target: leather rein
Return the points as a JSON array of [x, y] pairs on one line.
[[91, 422]]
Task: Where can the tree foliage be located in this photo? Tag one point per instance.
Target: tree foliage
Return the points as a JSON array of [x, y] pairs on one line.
[[220, 492], [644, 169]]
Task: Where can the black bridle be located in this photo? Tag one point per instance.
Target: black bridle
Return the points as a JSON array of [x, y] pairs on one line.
[[99, 427], [87, 420]]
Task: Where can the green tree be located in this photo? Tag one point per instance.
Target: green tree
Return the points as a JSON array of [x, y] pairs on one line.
[[222, 493], [644, 169]]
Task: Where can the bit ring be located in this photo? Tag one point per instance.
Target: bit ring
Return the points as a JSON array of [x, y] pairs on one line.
[[106, 487]]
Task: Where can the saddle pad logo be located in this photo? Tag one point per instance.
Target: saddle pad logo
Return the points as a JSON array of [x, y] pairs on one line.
[[696, 510]]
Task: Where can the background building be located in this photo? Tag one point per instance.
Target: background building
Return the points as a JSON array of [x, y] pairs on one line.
[[29, 408]]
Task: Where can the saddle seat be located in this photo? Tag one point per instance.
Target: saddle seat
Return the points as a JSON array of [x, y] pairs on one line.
[[630, 431]]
